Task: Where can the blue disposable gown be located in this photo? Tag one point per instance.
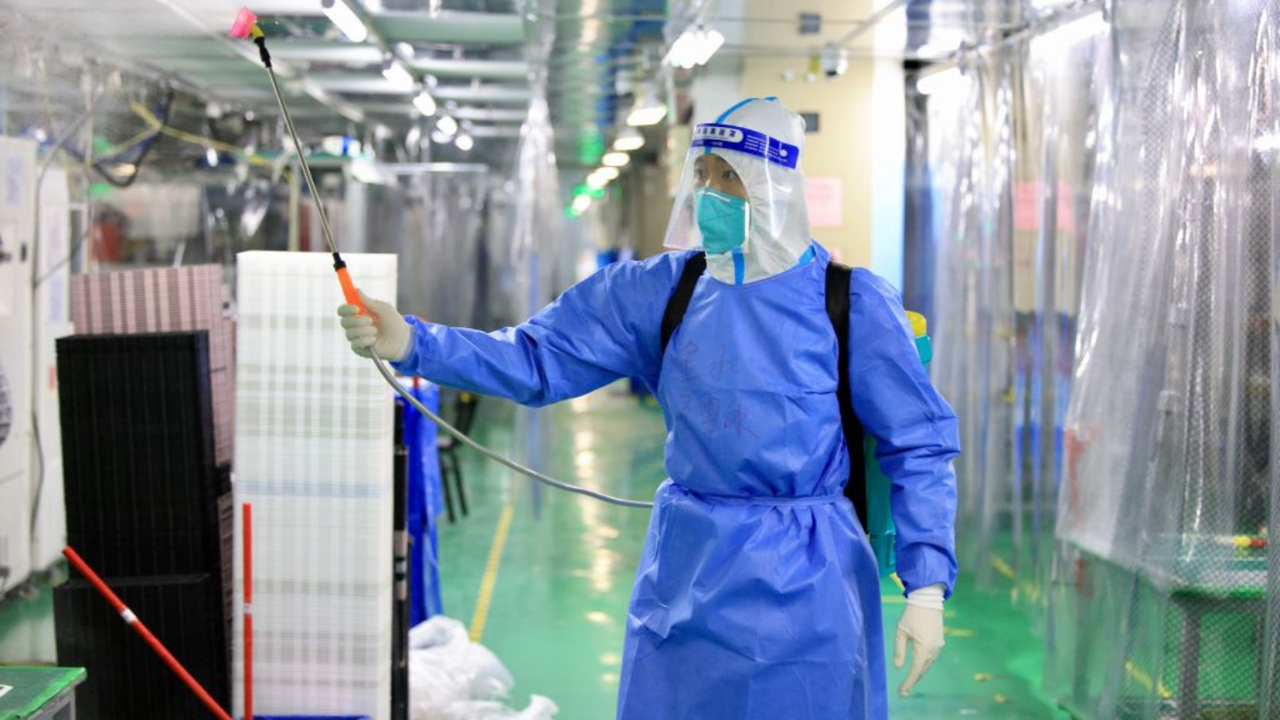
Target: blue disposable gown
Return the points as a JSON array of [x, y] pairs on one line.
[[757, 597]]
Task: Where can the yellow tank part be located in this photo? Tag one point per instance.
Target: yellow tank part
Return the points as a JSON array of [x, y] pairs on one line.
[[919, 325]]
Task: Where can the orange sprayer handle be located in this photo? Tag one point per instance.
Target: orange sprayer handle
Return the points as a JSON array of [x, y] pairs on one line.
[[348, 287]]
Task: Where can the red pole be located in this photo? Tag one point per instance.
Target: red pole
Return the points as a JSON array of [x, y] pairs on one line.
[[132, 621], [248, 611]]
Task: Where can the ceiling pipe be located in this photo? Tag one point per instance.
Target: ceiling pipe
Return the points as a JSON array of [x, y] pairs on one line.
[[489, 115], [484, 93], [464, 68], [321, 51], [455, 28]]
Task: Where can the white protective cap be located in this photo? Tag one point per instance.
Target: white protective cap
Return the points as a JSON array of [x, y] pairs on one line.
[[762, 141]]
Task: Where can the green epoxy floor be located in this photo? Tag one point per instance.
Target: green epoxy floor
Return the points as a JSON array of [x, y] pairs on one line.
[[559, 604]]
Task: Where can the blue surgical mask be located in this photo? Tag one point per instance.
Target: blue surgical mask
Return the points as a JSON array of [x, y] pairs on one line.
[[722, 219]]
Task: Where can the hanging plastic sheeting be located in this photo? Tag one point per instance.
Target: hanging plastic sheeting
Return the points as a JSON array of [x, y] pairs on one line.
[[1104, 196], [537, 219], [971, 143], [435, 222], [544, 266], [1159, 604], [999, 191]]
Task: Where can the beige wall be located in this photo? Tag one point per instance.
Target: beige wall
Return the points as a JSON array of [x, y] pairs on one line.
[[843, 146]]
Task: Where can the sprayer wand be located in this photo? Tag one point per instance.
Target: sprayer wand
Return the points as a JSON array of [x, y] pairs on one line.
[[246, 26]]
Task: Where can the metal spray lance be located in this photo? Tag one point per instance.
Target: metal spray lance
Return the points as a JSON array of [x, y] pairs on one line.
[[246, 27]]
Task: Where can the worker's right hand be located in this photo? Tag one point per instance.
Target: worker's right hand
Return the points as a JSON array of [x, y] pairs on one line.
[[382, 330]]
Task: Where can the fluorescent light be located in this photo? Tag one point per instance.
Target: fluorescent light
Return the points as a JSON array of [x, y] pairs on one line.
[[346, 20], [465, 143], [648, 109], [681, 49], [440, 138], [595, 181], [608, 173], [615, 159], [709, 41], [211, 155], [628, 139], [395, 72], [590, 32], [581, 204], [641, 117], [447, 125], [948, 79], [414, 138], [405, 50], [695, 46], [425, 103], [1064, 36]]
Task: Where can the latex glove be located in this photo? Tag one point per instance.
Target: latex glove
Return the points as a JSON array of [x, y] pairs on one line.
[[382, 328], [921, 626]]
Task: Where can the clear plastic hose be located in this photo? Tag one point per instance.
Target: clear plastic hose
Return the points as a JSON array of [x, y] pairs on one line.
[[522, 469]]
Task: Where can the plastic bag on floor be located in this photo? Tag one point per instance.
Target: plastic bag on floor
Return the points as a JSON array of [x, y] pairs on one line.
[[452, 678], [540, 708]]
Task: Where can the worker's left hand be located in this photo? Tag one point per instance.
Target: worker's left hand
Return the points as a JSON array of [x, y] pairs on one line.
[[921, 627]]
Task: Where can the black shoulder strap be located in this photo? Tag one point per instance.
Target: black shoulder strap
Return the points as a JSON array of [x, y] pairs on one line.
[[680, 297], [838, 279]]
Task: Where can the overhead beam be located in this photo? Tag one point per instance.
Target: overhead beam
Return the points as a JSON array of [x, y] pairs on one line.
[[480, 69], [455, 28], [503, 94]]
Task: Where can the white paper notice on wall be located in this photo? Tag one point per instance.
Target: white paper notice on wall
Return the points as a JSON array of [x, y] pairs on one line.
[[825, 199]]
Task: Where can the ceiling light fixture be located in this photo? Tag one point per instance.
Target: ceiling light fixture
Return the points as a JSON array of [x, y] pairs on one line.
[[464, 142], [615, 159], [347, 21], [395, 73], [425, 103], [628, 139], [695, 46], [447, 125], [648, 110]]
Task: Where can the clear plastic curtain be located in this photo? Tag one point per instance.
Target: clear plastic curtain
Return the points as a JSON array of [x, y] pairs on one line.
[[971, 148], [1106, 213], [439, 219], [536, 237]]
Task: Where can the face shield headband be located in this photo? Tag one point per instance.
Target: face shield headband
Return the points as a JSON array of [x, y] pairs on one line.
[[716, 136]]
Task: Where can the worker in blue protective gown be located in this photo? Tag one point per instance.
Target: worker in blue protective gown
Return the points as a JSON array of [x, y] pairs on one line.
[[757, 597]]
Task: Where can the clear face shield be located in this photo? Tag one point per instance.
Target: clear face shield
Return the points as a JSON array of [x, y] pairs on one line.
[[736, 192]]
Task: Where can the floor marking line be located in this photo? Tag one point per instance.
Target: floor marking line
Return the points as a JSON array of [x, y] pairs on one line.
[[491, 573]]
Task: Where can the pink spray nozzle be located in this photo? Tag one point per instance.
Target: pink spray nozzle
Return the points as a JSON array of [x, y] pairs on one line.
[[245, 20]]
